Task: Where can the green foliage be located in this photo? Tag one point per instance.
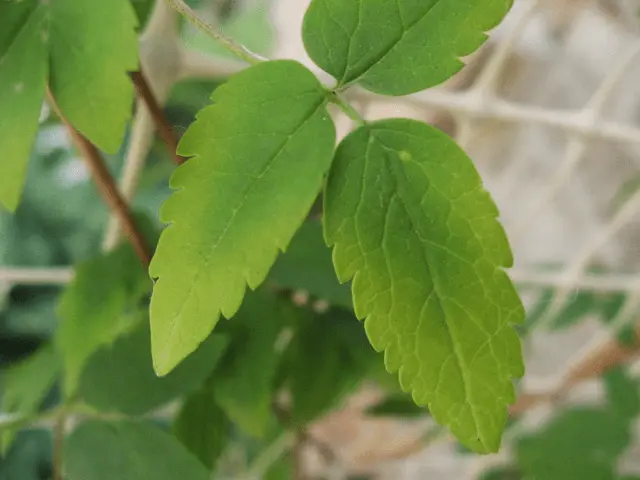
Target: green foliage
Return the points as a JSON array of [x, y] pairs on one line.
[[68, 46], [582, 443], [26, 384], [29, 457], [412, 225], [400, 47], [136, 450], [244, 381], [317, 277], [202, 426], [624, 397], [231, 214], [93, 307], [120, 377], [397, 406], [336, 352], [404, 211]]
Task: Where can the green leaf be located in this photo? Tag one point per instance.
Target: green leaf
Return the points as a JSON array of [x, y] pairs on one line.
[[578, 307], [203, 427], [127, 450], [92, 308], [399, 47], [307, 266], [244, 381], [622, 391], [397, 406], [28, 455], [23, 73], [120, 376], [417, 232], [240, 200], [84, 53], [581, 443], [324, 364], [93, 47], [26, 384]]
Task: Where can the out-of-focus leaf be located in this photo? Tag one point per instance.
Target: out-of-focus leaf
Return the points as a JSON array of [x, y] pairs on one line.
[[120, 376], [143, 9], [26, 384], [622, 392], [323, 365], [397, 406], [280, 470], [244, 381], [203, 427], [502, 473], [29, 458], [307, 266], [93, 307], [579, 305], [582, 443], [128, 450]]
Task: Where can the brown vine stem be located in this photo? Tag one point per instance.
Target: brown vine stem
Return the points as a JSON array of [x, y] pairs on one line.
[[163, 127], [106, 186], [58, 441]]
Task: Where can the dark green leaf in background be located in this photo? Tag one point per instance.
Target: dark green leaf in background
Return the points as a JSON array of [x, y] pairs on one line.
[[307, 266], [325, 363], [244, 381], [397, 47], [397, 406], [25, 385], [93, 307], [120, 376], [579, 444], [414, 228], [622, 393], [202, 426], [128, 450]]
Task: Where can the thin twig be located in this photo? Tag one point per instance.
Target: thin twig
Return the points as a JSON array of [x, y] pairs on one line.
[[238, 50], [163, 127], [106, 186], [58, 444]]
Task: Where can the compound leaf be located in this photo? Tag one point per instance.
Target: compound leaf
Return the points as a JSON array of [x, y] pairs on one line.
[[260, 154], [397, 47], [127, 450], [416, 231]]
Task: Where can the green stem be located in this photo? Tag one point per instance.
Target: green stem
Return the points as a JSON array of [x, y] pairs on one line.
[[270, 455], [347, 108], [192, 16]]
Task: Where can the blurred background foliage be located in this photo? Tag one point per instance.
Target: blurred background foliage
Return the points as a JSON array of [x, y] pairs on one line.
[[325, 358]]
